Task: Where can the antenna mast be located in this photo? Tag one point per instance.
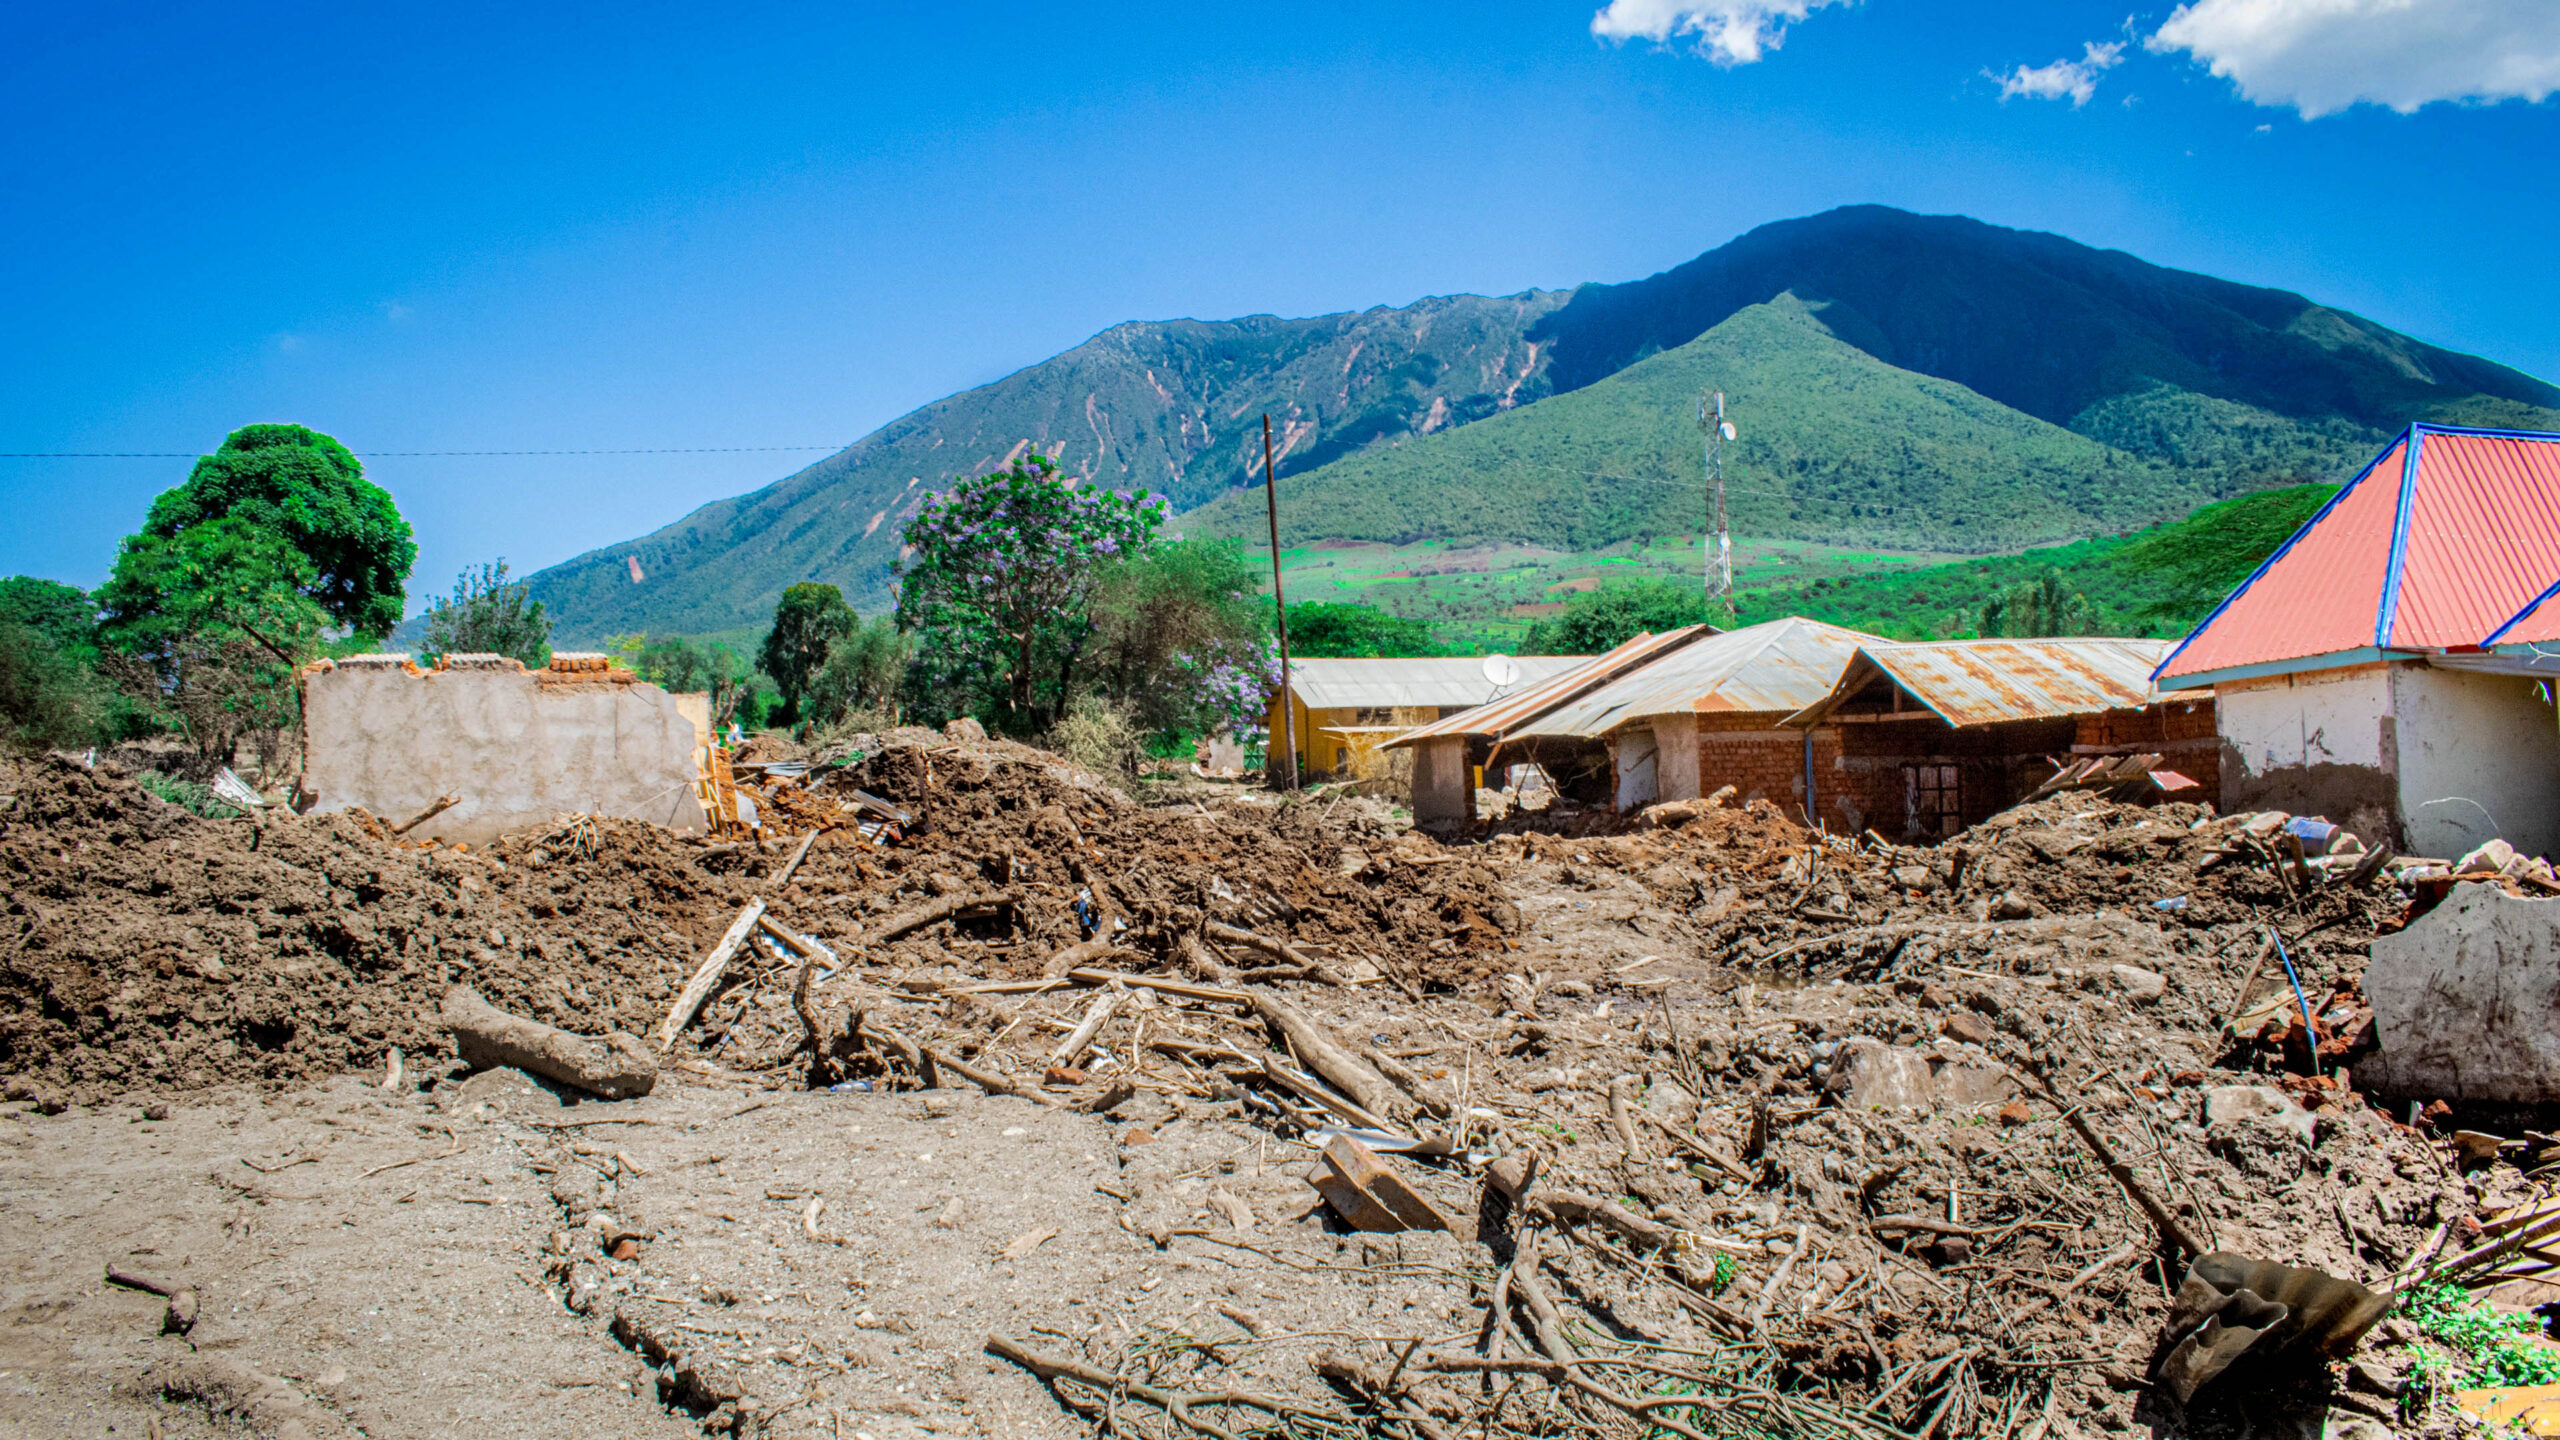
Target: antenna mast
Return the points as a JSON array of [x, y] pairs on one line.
[[1719, 560]]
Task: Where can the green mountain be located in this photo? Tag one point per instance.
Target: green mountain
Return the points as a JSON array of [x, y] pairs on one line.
[[1834, 445], [1898, 379]]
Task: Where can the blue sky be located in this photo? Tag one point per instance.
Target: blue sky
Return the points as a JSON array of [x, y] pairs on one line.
[[637, 226]]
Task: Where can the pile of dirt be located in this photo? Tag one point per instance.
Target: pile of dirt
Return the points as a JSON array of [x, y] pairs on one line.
[[155, 950], [149, 949]]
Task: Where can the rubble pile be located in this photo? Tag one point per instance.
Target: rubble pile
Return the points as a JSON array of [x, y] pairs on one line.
[[1732, 1127]]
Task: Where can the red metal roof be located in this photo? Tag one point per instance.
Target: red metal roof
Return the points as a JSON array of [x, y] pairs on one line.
[[2448, 535]]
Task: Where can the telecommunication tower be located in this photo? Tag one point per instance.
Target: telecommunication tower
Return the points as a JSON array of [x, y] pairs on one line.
[[1719, 558]]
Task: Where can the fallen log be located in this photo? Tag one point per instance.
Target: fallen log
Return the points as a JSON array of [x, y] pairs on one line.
[[1307, 965], [1081, 953], [698, 989], [1318, 1050], [615, 1065], [907, 922], [1570, 1207]]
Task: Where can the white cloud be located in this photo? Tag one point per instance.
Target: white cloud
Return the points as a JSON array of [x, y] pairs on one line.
[[2075, 80], [2322, 56], [1730, 32]]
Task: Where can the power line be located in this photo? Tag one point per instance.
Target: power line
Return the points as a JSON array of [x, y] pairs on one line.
[[411, 454]]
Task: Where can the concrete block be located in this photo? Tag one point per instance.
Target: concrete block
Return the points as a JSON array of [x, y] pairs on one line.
[[2463, 1001]]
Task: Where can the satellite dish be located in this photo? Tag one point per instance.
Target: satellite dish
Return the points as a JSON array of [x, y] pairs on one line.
[[1501, 670], [1727, 429]]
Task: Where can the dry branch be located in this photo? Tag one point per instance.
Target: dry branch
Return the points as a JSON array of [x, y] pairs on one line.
[[698, 989]]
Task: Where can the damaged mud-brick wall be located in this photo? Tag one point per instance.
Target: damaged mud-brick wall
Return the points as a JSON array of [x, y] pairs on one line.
[[516, 748], [2433, 760], [2180, 732], [1925, 779]]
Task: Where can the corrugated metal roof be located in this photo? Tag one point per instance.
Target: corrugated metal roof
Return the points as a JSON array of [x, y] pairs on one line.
[[2448, 535], [1330, 684], [2537, 624], [1507, 716], [1984, 682], [1780, 666]]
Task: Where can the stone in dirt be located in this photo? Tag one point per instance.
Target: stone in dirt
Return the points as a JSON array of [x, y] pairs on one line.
[[2235, 1104], [2462, 1002], [2139, 985], [1871, 1075]]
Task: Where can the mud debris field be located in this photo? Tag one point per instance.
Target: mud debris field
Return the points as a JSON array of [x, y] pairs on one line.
[[1013, 1128]]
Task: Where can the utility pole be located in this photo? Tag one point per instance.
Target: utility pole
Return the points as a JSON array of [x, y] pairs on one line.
[[1719, 559], [1279, 613]]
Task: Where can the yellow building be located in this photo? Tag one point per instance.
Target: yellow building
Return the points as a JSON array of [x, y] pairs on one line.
[[1342, 706]]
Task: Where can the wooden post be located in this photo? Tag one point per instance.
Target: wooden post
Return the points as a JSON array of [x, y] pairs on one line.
[[1280, 610]]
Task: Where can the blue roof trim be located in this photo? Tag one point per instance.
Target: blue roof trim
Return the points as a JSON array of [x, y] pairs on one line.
[[2334, 660], [2280, 552], [2386, 615], [2433, 428], [2518, 618]]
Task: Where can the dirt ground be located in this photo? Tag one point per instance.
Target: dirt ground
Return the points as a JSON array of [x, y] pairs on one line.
[[1808, 1113]]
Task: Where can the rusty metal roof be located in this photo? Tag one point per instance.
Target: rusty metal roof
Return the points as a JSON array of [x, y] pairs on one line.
[[1513, 713], [1335, 684], [1983, 682], [1778, 667], [2447, 537]]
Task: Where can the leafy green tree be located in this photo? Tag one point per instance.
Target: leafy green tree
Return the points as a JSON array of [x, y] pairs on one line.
[[2029, 609], [806, 624], [306, 488], [63, 614], [1319, 628], [680, 666], [1180, 633], [487, 614], [1608, 617], [47, 697], [865, 670], [208, 625], [1000, 574]]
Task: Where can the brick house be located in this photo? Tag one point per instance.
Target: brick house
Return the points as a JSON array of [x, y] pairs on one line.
[[1707, 715], [1918, 741]]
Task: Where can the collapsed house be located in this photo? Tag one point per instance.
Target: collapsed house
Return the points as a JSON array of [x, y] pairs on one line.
[[1693, 718], [1451, 755], [1341, 707], [1922, 740], [509, 748], [2389, 666]]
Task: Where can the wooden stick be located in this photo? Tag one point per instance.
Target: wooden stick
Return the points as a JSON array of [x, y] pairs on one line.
[[1183, 988], [1278, 949], [442, 804], [698, 989], [1319, 1051], [782, 877], [928, 1064], [1094, 1019], [2102, 1264]]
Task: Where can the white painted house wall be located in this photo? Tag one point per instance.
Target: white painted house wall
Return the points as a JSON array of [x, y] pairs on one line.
[[2323, 717], [1636, 761], [1675, 745], [2479, 758]]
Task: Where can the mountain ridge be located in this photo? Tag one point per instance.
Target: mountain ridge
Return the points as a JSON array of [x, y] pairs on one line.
[[2243, 386]]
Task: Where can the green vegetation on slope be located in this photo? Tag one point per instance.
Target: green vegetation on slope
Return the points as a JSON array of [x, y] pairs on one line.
[[1835, 446], [2159, 582]]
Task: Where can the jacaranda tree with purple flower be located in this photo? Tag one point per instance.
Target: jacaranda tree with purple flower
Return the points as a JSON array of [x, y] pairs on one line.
[[997, 584]]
